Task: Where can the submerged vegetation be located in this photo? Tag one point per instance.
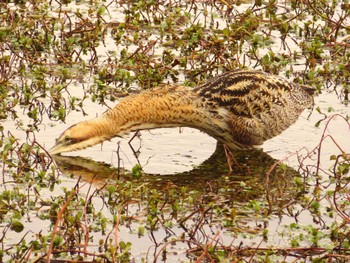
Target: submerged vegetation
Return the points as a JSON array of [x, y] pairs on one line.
[[57, 55]]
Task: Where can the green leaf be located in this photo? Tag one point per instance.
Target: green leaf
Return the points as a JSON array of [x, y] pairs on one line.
[[17, 226]]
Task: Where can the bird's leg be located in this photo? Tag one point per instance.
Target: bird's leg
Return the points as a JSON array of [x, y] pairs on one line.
[[229, 158]]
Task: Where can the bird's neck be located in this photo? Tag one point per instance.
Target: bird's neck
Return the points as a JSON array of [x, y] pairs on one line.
[[166, 106]]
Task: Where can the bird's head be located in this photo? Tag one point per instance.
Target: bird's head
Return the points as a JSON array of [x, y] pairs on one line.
[[77, 137]]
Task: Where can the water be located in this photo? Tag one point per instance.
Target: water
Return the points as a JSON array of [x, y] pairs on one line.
[[174, 155]]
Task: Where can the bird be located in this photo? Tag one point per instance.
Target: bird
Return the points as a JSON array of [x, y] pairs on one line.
[[240, 108]]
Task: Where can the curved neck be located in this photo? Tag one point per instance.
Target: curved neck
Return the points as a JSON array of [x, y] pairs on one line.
[[166, 106]]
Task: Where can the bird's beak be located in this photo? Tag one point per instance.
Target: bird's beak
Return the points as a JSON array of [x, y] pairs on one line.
[[56, 149]]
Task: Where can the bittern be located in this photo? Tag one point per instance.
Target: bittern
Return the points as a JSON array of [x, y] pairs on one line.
[[239, 108]]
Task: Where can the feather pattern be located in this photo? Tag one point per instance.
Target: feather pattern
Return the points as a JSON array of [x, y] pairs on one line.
[[259, 105]]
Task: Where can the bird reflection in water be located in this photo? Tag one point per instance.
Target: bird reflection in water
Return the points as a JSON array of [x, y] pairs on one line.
[[256, 175]]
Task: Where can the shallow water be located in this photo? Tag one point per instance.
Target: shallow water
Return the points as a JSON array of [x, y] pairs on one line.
[[175, 156]]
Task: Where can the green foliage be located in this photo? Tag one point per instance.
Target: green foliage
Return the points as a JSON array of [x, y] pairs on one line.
[[136, 171]]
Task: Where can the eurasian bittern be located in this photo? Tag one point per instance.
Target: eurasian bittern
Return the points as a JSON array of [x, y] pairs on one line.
[[239, 108]]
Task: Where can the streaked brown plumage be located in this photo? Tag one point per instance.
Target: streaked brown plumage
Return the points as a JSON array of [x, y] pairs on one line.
[[240, 108]]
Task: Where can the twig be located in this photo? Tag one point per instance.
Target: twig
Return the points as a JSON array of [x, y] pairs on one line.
[[59, 217]]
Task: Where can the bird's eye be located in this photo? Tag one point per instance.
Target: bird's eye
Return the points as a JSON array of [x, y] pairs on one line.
[[67, 138]]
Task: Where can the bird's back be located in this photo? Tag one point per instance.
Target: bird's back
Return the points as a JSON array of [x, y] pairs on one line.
[[257, 105]]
